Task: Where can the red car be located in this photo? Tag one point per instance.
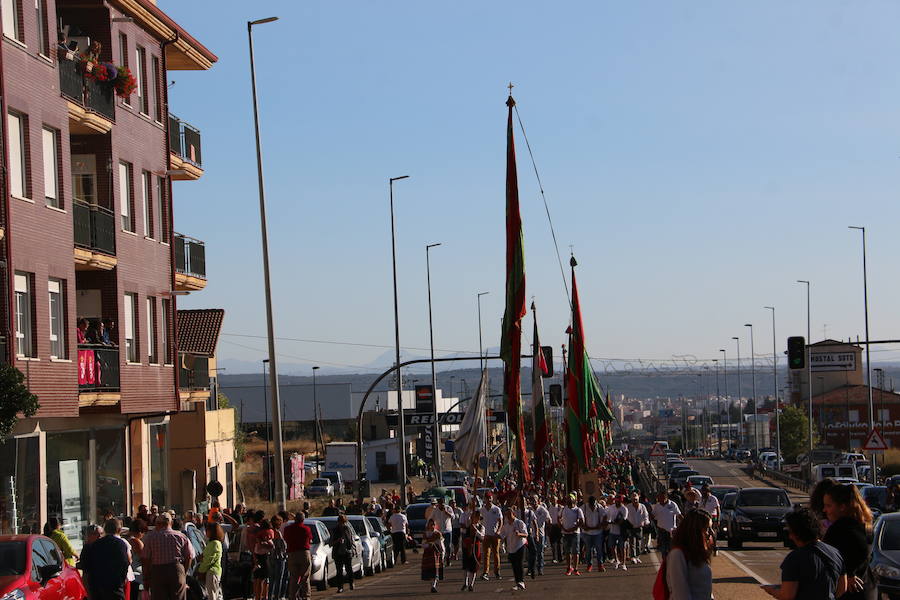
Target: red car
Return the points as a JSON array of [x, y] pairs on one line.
[[32, 568]]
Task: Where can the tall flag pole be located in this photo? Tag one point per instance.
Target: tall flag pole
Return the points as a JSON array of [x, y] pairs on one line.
[[539, 368], [587, 414], [511, 341]]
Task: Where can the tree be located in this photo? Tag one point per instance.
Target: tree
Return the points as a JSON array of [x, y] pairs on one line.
[[15, 399], [794, 433]]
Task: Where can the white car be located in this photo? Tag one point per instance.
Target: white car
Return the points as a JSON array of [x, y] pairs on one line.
[[371, 544], [322, 562], [357, 563]]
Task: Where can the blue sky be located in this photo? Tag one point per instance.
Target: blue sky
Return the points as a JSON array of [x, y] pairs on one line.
[[700, 157]]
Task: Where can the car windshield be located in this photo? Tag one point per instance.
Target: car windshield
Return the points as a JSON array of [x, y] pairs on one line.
[[320, 482], [416, 512], [890, 535], [762, 498], [12, 558], [375, 523]]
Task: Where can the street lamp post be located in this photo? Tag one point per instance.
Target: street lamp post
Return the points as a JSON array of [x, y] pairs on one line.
[[809, 370], [437, 428], [270, 325], [268, 475], [753, 380], [718, 410], [775, 391], [725, 376], [740, 396], [319, 440], [868, 346], [401, 425], [480, 349]]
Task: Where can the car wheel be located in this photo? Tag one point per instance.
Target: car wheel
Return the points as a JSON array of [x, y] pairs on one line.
[[323, 585], [359, 574], [370, 571], [735, 544]]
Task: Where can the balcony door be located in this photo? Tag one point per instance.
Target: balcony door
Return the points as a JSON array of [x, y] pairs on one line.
[[84, 178]]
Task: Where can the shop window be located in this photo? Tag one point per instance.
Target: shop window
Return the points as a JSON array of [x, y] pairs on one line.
[[20, 486], [69, 482], [159, 464], [110, 449]]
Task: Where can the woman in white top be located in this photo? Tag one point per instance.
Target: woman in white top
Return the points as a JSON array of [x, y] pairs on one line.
[[688, 574], [515, 535]]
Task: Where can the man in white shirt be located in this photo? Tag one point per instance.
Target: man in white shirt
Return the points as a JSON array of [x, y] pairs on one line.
[[665, 514], [554, 533], [710, 504], [515, 534], [594, 534], [456, 528], [637, 518], [541, 521], [571, 520], [617, 515], [492, 519], [399, 526], [443, 518]]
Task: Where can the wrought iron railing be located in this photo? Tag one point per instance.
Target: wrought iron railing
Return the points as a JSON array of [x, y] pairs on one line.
[[193, 372], [95, 227], [92, 94], [98, 368], [184, 140], [190, 256]]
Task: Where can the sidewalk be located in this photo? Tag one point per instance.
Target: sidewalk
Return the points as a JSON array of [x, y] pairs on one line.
[[730, 582]]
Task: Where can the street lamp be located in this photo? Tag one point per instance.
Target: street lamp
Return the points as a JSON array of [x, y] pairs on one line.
[[808, 370], [270, 325], [718, 409], [727, 397], [480, 349], [434, 411], [401, 425], [753, 379], [868, 346], [740, 395], [319, 440], [775, 390], [266, 419]]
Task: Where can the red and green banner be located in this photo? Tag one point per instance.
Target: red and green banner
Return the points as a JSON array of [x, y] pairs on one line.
[[587, 414], [511, 340], [539, 368]]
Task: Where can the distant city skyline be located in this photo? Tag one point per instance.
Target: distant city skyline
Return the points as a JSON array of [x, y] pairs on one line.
[[700, 158]]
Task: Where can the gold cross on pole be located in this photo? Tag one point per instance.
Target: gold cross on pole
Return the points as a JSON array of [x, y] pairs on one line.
[[510, 86]]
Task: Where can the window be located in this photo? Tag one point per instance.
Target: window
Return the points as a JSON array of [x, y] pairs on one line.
[[854, 416], [18, 173], [140, 75], [56, 291], [126, 199], [164, 333], [151, 331], [157, 90], [160, 207], [884, 415], [12, 23], [131, 351], [40, 11], [123, 60], [84, 178], [24, 315], [147, 203], [51, 167]]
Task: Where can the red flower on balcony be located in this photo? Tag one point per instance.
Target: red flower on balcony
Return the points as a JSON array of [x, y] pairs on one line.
[[124, 83]]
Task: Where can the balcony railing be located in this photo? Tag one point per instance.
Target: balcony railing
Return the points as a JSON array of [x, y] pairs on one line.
[[190, 256], [184, 140], [98, 368], [194, 372], [93, 95], [95, 227]]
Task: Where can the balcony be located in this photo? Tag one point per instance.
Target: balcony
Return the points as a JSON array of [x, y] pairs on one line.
[[95, 237], [91, 104], [184, 150], [98, 375], [193, 378], [190, 264]]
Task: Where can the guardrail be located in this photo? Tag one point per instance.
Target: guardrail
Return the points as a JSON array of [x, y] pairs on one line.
[[771, 474], [190, 256], [95, 227], [184, 140]]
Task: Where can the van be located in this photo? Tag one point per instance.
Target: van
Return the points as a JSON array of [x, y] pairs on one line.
[[821, 472]]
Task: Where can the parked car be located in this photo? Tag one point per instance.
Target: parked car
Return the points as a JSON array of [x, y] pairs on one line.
[[726, 508], [415, 514], [337, 480], [876, 496], [719, 491], [758, 516], [361, 562], [322, 568], [460, 494], [742, 455], [700, 480], [453, 478], [885, 562], [32, 568], [387, 542], [681, 476], [320, 487]]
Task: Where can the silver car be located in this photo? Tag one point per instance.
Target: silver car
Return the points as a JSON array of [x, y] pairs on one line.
[[320, 487], [356, 562], [322, 568]]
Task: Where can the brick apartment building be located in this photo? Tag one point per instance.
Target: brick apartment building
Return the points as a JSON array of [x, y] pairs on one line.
[[90, 264]]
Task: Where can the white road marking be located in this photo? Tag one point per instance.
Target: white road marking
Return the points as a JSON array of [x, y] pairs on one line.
[[743, 567]]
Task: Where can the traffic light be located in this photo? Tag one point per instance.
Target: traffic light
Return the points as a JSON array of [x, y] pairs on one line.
[[548, 358], [555, 395], [796, 352]]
